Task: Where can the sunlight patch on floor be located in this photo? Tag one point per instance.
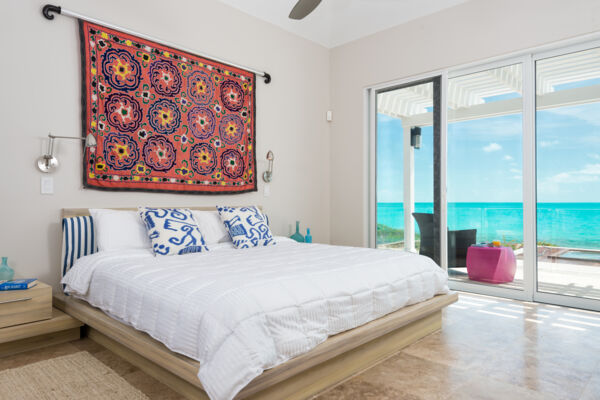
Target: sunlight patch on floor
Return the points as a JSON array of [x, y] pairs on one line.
[[498, 314], [575, 328], [573, 321]]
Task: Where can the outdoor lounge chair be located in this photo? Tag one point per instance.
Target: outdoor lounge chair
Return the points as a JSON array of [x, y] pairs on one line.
[[458, 241]]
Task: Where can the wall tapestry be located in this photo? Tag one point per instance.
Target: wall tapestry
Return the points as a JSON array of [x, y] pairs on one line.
[[164, 120]]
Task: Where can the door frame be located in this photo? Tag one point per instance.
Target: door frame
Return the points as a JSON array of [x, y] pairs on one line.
[[527, 144], [370, 96]]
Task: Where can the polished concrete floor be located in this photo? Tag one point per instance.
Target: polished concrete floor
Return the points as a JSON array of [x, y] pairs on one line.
[[488, 348], [491, 348]]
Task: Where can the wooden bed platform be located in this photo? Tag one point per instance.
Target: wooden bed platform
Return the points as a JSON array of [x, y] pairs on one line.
[[338, 358], [333, 361]]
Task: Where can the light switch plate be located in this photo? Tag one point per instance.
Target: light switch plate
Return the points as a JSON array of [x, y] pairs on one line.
[[47, 185], [267, 190]]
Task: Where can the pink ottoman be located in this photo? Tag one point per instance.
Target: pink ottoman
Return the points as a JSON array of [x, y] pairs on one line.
[[491, 264]]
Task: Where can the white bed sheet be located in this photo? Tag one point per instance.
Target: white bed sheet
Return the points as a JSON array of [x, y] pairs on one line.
[[239, 312]]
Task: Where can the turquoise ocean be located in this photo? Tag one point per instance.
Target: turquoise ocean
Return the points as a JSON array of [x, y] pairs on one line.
[[561, 224]]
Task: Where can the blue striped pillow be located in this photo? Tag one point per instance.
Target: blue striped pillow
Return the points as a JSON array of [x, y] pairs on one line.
[[78, 240]]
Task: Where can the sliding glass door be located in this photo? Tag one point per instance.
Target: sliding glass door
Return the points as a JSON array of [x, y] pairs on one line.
[[502, 188], [568, 176], [407, 131], [484, 177]]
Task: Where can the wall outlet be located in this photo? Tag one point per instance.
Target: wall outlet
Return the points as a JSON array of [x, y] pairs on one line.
[[47, 185]]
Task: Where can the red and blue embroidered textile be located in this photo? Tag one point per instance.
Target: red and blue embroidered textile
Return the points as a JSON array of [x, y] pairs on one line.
[[163, 119]]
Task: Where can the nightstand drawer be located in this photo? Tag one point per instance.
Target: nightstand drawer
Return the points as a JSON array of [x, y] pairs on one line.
[[23, 306]]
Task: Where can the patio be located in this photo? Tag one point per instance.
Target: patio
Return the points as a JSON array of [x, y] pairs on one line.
[[556, 275]]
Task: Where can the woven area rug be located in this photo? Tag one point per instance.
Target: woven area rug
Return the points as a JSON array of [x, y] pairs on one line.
[[75, 376]]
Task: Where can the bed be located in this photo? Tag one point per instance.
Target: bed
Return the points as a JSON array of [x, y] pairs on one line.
[[284, 321]]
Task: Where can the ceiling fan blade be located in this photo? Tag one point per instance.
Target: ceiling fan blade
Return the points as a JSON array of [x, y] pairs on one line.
[[303, 8]]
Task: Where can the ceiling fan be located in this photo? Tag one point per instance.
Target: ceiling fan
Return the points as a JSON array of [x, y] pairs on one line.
[[303, 8]]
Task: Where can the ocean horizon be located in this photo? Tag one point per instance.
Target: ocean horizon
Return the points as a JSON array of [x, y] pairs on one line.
[[561, 224]]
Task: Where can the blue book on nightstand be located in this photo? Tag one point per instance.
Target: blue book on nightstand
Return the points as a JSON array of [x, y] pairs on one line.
[[18, 284]]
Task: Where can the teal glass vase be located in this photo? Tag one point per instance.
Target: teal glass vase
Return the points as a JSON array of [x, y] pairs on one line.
[[297, 236], [6, 272], [308, 237]]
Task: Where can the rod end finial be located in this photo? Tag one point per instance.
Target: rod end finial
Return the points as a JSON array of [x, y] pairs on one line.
[[49, 9], [267, 77]]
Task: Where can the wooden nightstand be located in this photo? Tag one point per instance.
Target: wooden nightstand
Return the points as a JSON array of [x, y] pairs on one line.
[[29, 321], [24, 306]]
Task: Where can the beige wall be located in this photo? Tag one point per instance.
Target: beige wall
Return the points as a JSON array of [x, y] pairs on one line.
[[469, 32], [40, 92]]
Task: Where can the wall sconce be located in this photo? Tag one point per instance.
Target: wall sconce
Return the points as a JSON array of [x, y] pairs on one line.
[[415, 137], [48, 163], [268, 174]]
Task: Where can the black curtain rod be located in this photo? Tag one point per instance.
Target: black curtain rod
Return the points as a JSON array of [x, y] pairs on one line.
[[49, 9]]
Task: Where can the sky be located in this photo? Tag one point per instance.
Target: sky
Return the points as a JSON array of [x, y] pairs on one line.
[[485, 157]]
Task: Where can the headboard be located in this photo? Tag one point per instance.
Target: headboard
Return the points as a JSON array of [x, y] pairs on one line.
[[84, 212], [78, 235]]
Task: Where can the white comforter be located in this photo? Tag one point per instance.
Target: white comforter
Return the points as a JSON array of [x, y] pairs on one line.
[[239, 312]]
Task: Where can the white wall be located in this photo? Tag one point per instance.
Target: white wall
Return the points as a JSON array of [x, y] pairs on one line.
[[40, 93], [466, 33]]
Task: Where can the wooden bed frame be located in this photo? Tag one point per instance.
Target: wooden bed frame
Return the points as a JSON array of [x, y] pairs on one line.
[[338, 358]]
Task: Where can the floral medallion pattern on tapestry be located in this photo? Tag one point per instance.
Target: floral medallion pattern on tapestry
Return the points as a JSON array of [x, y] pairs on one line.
[[163, 119]]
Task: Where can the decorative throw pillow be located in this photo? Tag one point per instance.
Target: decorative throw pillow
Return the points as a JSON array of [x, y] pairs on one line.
[[247, 226], [172, 231], [78, 240]]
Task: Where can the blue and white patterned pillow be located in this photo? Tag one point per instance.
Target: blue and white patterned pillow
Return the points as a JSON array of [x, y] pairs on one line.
[[172, 231], [247, 226]]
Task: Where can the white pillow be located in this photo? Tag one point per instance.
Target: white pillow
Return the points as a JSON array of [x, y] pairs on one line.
[[117, 230], [212, 228]]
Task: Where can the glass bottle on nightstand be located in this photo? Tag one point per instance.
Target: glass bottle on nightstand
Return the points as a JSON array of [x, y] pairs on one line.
[[297, 236], [6, 272], [308, 237]]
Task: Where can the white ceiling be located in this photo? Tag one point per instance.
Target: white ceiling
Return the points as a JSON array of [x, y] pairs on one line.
[[335, 22]]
